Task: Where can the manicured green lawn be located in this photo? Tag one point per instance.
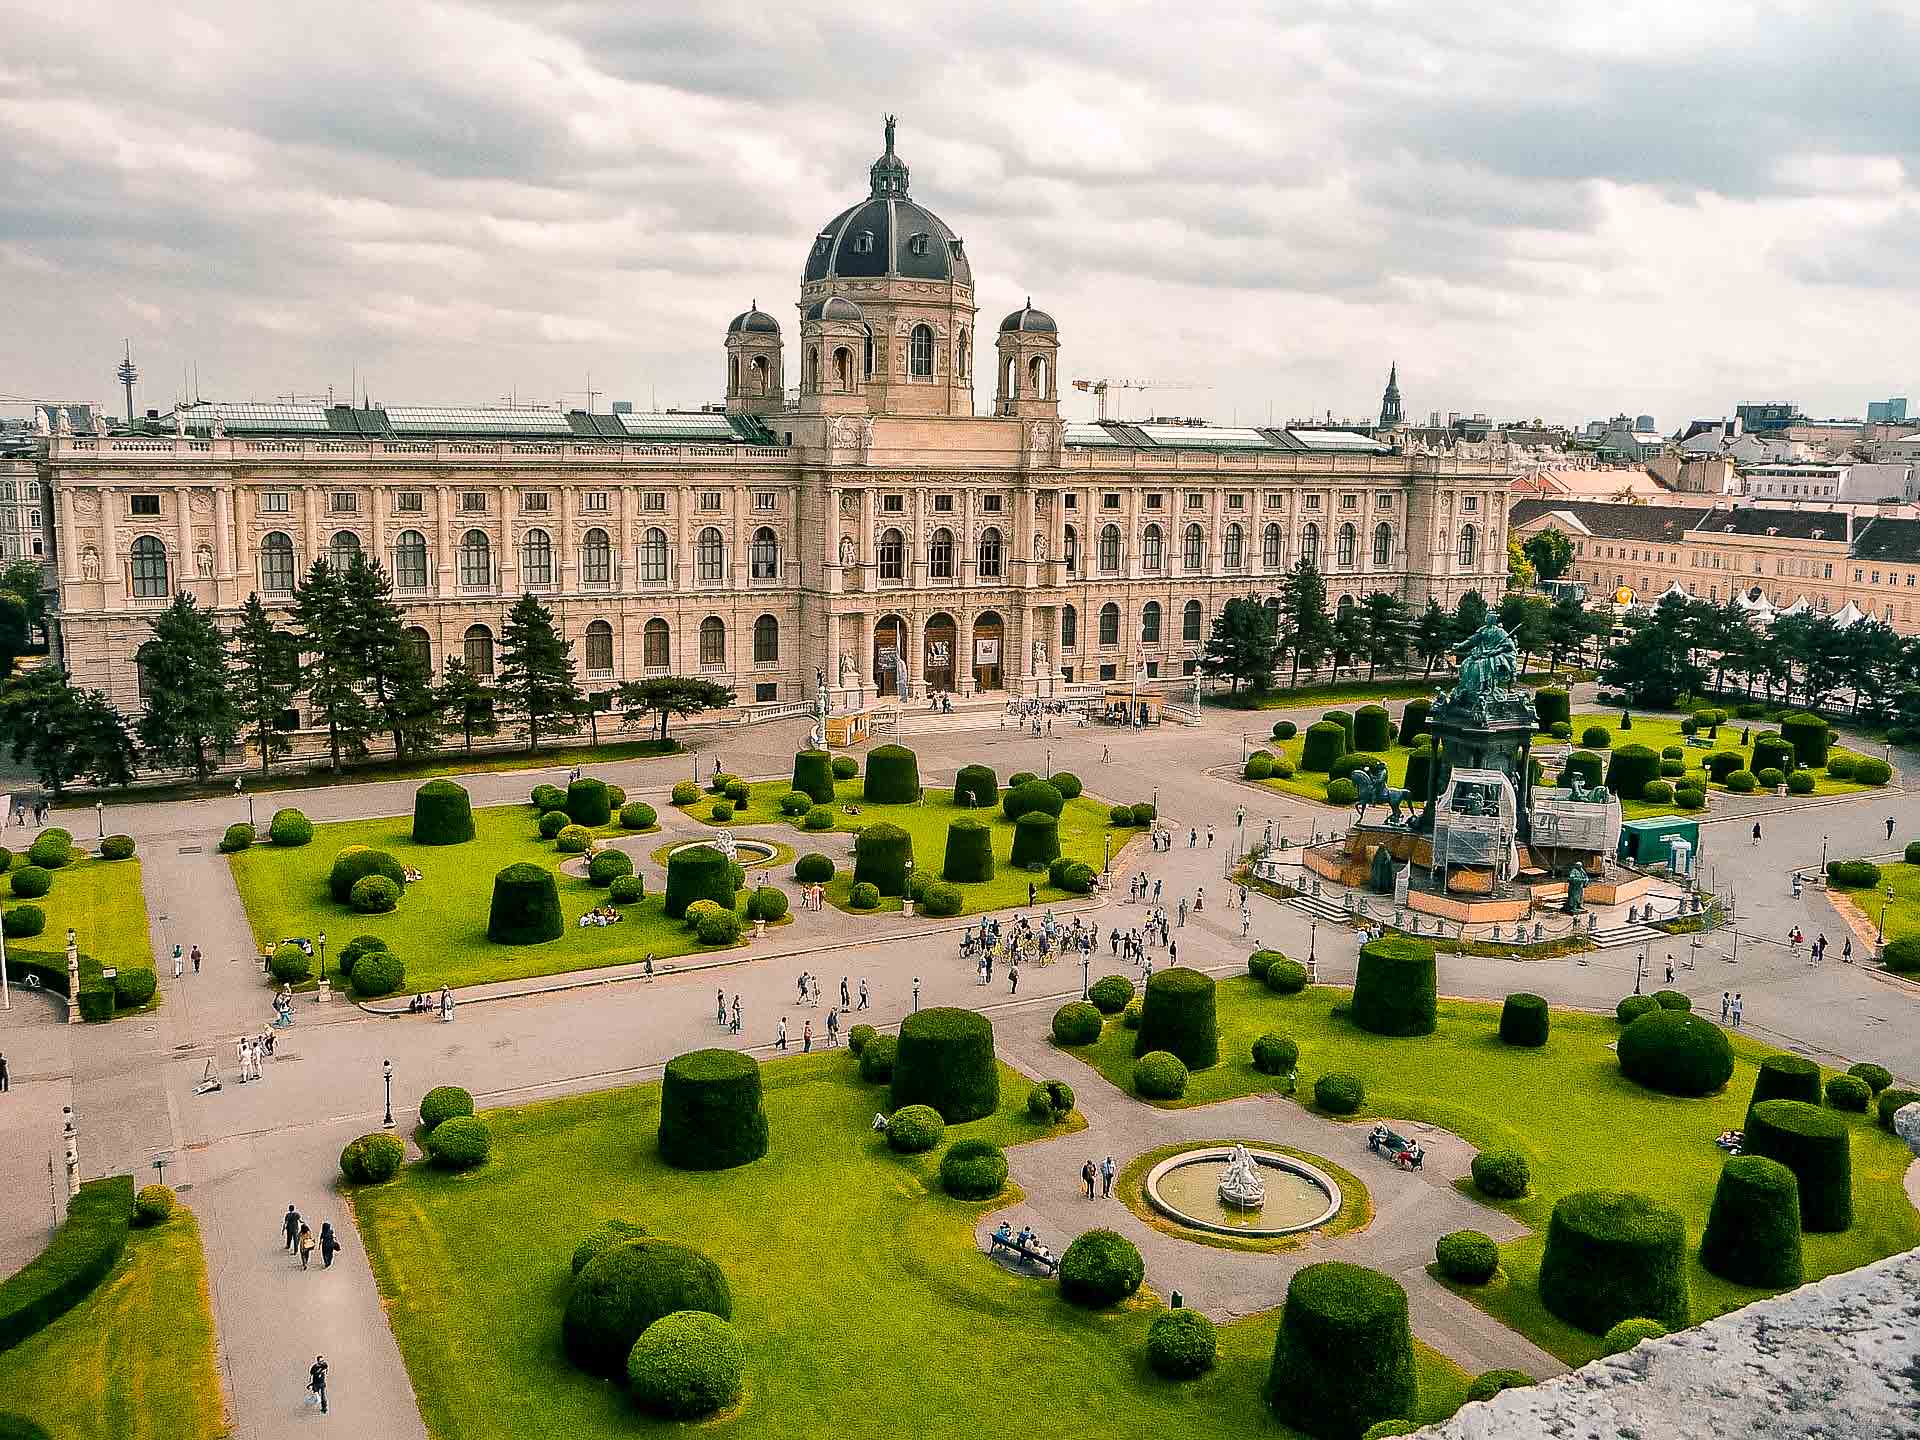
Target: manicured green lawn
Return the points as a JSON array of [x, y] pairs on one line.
[[864, 1302], [439, 929], [1580, 1123], [1659, 732], [1083, 828], [1903, 912], [134, 1360], [101, 900]]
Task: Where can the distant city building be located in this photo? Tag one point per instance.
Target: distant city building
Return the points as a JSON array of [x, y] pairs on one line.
[[1390, 412], [1774, 415], [1644, 422], [1886, 412]]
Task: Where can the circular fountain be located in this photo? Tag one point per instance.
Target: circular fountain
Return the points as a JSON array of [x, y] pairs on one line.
[[748, 853], [1232, 1190]]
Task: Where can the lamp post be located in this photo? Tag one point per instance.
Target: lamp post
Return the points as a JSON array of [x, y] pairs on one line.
[[1106, 865], [250, 824], [1085, 960], [916, 994], [1823, 856], [1049, 762], [100, 817], [322, 985], [72, 1139], [1639, 971], [1881, 938], [1313, 951], [386, 1074]]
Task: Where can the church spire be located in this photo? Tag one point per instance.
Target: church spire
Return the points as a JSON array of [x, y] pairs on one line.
[[889, 173], [1390, 415]]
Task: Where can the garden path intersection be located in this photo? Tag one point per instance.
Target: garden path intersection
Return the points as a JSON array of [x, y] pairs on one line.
[[242, 1154]]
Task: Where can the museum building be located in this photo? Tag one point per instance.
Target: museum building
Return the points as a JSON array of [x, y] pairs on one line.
[[865, 528]]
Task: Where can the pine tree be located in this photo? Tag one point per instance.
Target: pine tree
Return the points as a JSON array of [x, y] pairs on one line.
[[1432, 635], [667, 695], [265, 674], [1468, 616], [466, 701], [1567, 628], [378, 651], [1388, 626], [1242, 645], [1652, 666], [40, 721], [536, 668], [1349, 635], [190, 710], [1304, 626], [103, 750], [332, 680]]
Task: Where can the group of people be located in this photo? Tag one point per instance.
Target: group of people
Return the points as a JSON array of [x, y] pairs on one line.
[[424, 1004], [303, 1242], [1733, 1009], [940, 702], [601, 915], [991, 943], [1818, 950], [20, 809], [813, 897], [808, 988], [253, 1049], [1099, 1173], [806, 1030]]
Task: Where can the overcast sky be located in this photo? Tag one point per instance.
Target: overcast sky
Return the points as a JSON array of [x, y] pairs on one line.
[[1538, 209]]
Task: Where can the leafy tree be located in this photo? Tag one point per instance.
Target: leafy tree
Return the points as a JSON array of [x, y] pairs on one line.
[[23, 578], [1874, 655], [1389, 624], [190, 710], [1304, 628], [1653, 665], [103, 749], [63, 733], [1519, 568], [1349, 635], [16, 631], [666, 695], [1468, 616], [1525, 618], [1433, 635], [466, 701], [536, 668], [1243, 645], [322, 620], [265, 674], [378, 651], [1550, 553]]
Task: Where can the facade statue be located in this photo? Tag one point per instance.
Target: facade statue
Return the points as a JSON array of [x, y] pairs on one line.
[[846, 668], [179, 423], [848, 555], [203, 562], [1242, 1186], [89, 564], [1039, 657], [99, 423], [817, 736], [218, 430], [62, 421], [41, 425], [1576, 890], [1489, 663]]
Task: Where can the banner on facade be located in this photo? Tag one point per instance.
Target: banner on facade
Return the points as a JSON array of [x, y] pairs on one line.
[[939, 654], [986, 652]]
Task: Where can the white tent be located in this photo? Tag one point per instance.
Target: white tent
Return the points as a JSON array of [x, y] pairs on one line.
[[1852, 615], [1672, 592], [1798, 607]]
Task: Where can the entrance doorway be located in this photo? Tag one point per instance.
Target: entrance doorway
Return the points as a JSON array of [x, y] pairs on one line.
[[989, 643], [889, 646], [942, 636]]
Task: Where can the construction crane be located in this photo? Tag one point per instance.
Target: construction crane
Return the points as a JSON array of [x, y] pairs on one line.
[[1099, 388]]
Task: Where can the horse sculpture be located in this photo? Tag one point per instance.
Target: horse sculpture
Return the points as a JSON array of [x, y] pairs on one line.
[[1371, 788]]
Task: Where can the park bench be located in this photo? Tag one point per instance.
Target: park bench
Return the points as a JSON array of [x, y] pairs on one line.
[[1396, 1147], [1033, 1254]]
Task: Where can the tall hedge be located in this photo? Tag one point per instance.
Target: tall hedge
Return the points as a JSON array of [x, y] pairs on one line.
[[1723, 763], [1344, 719], [1413, 720], [944, 1058], [1523, 1020], [699, 872], [1614, 1255], [1753, 1229], [1808, 736], [710, 1112], [82, 1253], [976, 787], [1394, 990], [1029, 796], [1813, 1144], [1177, 1015], [1786, 1077], [588, 802], [1343, 1357], [442, 814], [813, 775], [881, 852], [969, 856], [1552, 707], [1775, 752], [893, 776], [1325, 743], [1585, 764], [526, 906], [1036, 839], [355, 863], [1372, 728], [1631, 768], [1420, 776]]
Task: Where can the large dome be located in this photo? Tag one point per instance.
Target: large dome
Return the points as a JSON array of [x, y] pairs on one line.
[[887, 235]]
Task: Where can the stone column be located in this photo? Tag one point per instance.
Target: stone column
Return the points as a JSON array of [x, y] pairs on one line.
[[113, 565], [568, 543], [378, 499], [226, 555], [310, 501], [184, 570], [507, 570], [443, 540], [73, 979]]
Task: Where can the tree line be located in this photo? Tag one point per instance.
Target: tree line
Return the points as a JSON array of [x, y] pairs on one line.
[[345, 651]]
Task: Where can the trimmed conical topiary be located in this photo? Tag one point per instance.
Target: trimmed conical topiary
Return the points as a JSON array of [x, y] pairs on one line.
[[1177, 1015], [526, 906], [1394, 990], [442, 814], [699, 872], [976, 788], [880, 856], [969, 857], [813, 775], [1786, 1077], [893, 776], [588, 802], [1343, 1356], [1753, 1230], [1036, 840], [945, 1059], [710, 1112], [1614, 1255], [1815, 1145]]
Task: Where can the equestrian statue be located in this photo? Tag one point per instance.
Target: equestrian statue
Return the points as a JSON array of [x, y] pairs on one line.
[[1370, 788]]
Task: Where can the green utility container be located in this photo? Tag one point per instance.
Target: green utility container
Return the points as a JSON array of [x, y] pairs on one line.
[[1644, 842]]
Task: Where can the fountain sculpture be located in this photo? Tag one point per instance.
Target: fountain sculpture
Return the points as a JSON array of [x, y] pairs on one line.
[[1241, 1186]]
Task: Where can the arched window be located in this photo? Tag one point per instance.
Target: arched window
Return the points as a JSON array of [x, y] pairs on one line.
[[653, 557], [988, 553], [842, 368], [1344, 608], [655, 650], [1469, 552], [409, 560], [420, 648], [1110, 548], [1150, 623], [920, 351], [1382, 543], [893, 556], [596, 558], [1195, 547], [478, 649], [765, 555], [709, 557], [940, 555], [1109, 624], [733, 372], [963, 354], [813, 367], [1069, 628], [1190, 622], [149, 569], [1310, 543], [1073, 549], [758, 372], [1270, 547], [1343, 547], [866, 355], [1235, 547], [342, 548], [766, 640], [276, 563], [1153, 549], [600, 646], [1037, 376], [536, 558], [713, 642], [475, 567]]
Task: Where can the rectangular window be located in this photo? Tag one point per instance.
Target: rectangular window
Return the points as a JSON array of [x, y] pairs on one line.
[[1383, 502], [473, 502], [1196, 500], [893, 504], [766, 690], [1072, 501], [1236, 502], [992, 504], [1107, 672], [343, 502], [1349, 502], [710, 500], [1469, 504], [595, 502], [533, 502], [144, 505], [1109, 500], [943, 504], [654, 502], [764, 500], [1156, 502], [1275, 500], [1313, 502], [409, 502], [274, 502]]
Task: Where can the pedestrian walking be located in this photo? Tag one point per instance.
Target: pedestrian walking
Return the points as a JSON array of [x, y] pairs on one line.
[[1106, 1177], [863, 994], [1726, 1005], [1105, 754], [196, 959], [833, 1026], [1209, 837], [179, 963], [1013, 984], [806, 1038], [290, 1223], [845, 1002], [1088, 1173], [5, 1083], [1173, 955], [1756, 832], [649, 964], [1846, 954], [1889, 827], [1669, 970], [1739, 1009], [1193, 837], [780, 1041], [1199, 899], [306, 1245], [720, 1006], [736, 1012], [329, 1244], [1033, 894], [317, 1382]]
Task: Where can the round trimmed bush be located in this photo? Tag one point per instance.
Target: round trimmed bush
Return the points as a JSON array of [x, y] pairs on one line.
[[973, 1170], [845, 767], [1259, 766], [1285, 729], [1891, 1101], [442, 814], [1100, 1268], [1325, 743], [1689, 797], [813, 869], [1072, 876], [354, 864], [1523, 1020], [133, 986], [624, 1290], [1159, 1076], [616, 798], [969, 857], [893, 776], [1551, 705], [1631, 769], [460, 1143], [863, 896], [1672, 1000], [945, 1059], [348, 955], [1286, 977], [1338, 1093], [441, 1104], [914, 1129], [1676, 1052], [1786, 1077], [1067, 783], [768, 903], [1490, 1383], [602, 1238], [377, 973], [1467, 1256], [880, 855], [549, 797], [1259, 960], [52, 850], [1120, 815], [1629, 1333], [1742, 782], [1596, 737], [877, 1057], [588, 802], [1657, 792], [858, 1037], [1585, 764], [1181, 1344], [1560, 730], [1723, 763], [237, 837], [289, 964], [1815, 1146], [1769, 778], [717, 927], [627, 890], [686, 1365], [1130, 1016], [1342, 791], [153, 1205], [738, 793], [1753, 1230], [1875, 1077], [699, 872], [813, 776], [1275, 1054], [720, 812], [1145, 812], [1343, 1357], [290, 827], [1019, 778], [1613, 1255], [820, 817], [1036, 840], [1372, 729], [638, 815], [1050, 1101], [608, 866], [710, 1111], [1031, 797], [1852, 874], [1393, 990], [1391, 1429], [684, 793], [552, 823], [23, 922], [1901, 956], [1110, 994], [526, 906], [373, 895], [372, 1159], [1501, 1174], [976, 787], [1177, 1015], [1633, 1007]]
